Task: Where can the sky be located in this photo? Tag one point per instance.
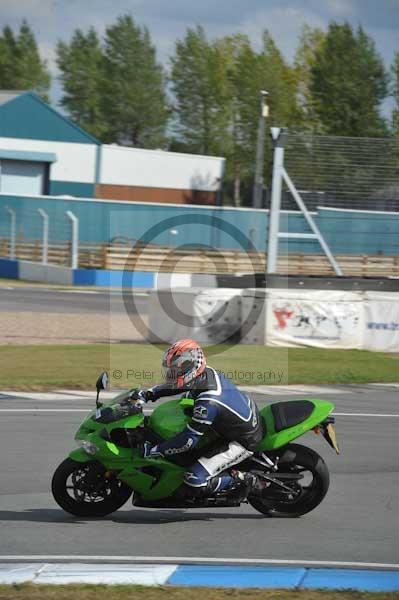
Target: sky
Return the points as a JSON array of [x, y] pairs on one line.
[[167, 20]]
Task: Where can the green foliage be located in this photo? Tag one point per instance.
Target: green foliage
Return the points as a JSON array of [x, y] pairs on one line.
[[82, 77], [115, 89], [134, 97], [216, 88], [310, 42], [21, 67], [349, 83], [201, 92], [395, 94]]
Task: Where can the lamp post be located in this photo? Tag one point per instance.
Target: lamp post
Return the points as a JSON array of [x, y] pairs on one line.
[[260, 151]]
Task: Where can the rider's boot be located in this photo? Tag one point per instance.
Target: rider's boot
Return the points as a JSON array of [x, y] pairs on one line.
[[251, 483], [246, 484]]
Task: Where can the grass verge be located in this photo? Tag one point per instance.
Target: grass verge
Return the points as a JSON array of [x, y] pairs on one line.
[[124, 592], [130, 365]]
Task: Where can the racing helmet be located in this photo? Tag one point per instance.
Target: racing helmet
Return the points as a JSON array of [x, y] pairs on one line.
[[183, 363]]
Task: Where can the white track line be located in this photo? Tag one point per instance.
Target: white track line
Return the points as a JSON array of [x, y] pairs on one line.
[[148, 412], [56, 410], [198, 560], [336, 414]]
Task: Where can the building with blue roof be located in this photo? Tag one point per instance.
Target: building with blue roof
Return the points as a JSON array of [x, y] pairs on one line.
[[44, 153]]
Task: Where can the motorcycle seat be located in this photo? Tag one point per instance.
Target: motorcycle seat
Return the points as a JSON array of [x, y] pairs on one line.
[[288, 414]]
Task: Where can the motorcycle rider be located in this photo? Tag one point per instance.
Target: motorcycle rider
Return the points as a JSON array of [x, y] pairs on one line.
[[219, 405]]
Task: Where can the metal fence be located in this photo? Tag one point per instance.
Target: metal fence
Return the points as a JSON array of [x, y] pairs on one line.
[[344, 172], [40, 243], [353, 180]]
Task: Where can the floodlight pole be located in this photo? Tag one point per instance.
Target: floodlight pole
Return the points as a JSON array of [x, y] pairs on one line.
[[257, 195]]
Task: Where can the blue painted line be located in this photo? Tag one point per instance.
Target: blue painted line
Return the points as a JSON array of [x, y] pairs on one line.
[[357, 579], [237, 577], [285, 577]]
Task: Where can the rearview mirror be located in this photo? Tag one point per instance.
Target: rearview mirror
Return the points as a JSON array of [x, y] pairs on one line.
[[102, 381]]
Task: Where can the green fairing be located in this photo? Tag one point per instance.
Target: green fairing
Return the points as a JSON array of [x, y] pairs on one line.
[[167, 420], [273, 440]]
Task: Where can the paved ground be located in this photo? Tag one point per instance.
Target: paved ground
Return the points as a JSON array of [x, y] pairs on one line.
[[358, 520], [39, 315], [71, 301]]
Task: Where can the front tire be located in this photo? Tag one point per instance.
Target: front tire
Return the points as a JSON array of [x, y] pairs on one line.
[[297, 459], [83, 490]]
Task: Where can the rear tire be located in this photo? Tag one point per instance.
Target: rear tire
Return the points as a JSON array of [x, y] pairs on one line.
[[296, 455], [97, 497]]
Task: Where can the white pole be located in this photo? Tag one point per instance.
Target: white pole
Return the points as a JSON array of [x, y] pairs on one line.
[[274, 214], [45, 218], [74, 238], [13, 232]]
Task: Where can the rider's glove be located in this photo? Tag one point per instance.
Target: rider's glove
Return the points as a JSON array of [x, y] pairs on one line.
[[149, 451], [148, 395], [142, 396]]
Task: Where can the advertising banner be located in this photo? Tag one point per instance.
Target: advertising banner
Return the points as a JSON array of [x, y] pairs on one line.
[[323, 319], [381, 321]]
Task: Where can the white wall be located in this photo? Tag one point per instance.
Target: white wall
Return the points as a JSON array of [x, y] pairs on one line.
[[75, 162], [159, 169]]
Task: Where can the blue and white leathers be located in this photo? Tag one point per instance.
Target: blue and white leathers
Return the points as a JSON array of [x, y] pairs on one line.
[[230, 413]]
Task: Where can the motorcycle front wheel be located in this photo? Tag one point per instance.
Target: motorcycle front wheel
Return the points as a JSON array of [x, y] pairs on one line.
[[83, 490], [309, 484]]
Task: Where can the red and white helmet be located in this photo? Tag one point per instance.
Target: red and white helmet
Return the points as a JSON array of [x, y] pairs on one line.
[[183, 363]]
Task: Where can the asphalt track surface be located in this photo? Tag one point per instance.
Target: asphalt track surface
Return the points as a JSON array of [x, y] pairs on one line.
[[357, 522], [39, 299]]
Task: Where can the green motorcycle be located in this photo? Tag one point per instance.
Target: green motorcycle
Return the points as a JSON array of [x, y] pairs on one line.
[[100, 476]]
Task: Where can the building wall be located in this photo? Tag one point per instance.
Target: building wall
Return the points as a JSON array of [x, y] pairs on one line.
[[153, 194], [74, 172], [155, 168]]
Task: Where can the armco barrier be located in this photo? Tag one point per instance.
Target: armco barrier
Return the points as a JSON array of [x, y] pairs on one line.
[[9, 268], [102, 278], [218, 575], [30, 271], [34, 271]]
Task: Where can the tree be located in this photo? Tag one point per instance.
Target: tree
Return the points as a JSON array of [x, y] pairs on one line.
[[310, 42], [216, 88], [268, 71], [349, 83], [81, 63], [395, 94], [8, 55], [21, 67], [201, 93], [134, 99]]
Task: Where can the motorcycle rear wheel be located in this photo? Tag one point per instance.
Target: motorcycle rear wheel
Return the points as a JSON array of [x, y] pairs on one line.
[[82, 489], [297, 458]]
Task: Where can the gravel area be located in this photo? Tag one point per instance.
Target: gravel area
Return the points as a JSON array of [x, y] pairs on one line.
[[61, 328]]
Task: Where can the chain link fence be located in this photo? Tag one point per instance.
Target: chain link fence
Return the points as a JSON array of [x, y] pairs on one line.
[[343, 172]]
